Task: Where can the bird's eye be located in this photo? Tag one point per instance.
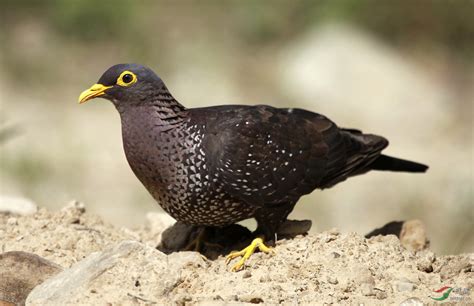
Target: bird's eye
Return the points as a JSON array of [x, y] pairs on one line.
[[126, 78]]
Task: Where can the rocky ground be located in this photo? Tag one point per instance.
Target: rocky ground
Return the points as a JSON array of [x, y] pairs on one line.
[[77, 258]]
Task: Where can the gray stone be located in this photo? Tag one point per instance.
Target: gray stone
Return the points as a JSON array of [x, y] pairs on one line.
[[60, 288], [404, 285], [118, 275], [20, 272]]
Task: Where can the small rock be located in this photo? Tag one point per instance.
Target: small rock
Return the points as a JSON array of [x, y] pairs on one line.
[[413, 235], [381, 295], [251, 298], [20, 272], [425, 261], [367, 289], [332, 280], [17, 206], [362, 275], [265, 279], [247, 274], [329, 236], [405, 285], [424, 266], [412, 302], [12, 221], [72, 212], [74, 207]]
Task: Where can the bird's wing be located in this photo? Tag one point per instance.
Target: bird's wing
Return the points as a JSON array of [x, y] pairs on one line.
[[264, 155], [350, 153]]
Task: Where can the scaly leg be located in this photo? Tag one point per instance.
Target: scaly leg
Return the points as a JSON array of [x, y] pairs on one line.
[[257, 243]]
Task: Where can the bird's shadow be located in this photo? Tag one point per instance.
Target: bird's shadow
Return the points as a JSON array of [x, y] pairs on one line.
[[217, 241]]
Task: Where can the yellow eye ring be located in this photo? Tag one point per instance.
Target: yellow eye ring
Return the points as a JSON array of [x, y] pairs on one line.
[[127, 78]]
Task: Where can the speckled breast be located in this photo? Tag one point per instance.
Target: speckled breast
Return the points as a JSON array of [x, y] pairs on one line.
[[175, 172]]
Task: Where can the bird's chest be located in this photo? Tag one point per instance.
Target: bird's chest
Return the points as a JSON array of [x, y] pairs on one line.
[[174, 168]]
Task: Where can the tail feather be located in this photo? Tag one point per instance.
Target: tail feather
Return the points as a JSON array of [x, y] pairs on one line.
[[388, 163]]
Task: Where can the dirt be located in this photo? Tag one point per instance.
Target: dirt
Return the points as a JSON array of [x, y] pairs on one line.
[[329, 267]]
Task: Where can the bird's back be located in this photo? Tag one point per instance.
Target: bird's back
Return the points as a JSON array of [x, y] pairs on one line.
[[270, 155]]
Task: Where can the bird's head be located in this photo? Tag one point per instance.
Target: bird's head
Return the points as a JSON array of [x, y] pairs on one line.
[[124, 84]]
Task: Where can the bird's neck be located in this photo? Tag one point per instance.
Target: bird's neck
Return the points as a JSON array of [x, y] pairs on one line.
[[146, 133], [160, 110], [166, 109]]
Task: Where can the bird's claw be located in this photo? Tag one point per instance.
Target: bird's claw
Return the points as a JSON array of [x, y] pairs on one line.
[[257, 243]]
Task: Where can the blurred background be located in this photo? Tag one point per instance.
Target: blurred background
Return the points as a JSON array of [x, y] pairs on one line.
[[401, 69]]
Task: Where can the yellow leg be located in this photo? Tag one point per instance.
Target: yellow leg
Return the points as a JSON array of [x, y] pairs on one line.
[[257, 243]]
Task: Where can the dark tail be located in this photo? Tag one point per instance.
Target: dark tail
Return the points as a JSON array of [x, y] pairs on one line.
[[387, 163]]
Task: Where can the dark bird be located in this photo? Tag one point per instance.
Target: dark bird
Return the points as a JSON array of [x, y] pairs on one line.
[[215, 166]]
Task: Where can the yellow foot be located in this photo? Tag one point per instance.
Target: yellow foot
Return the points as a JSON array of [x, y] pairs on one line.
[[257, 243]]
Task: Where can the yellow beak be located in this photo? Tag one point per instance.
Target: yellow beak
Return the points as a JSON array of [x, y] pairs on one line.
[[95, 91]]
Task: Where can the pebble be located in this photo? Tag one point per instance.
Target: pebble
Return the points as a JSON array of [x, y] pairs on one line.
[[332, 280], [265, 279], [12, 221], [253, 298], [381, 295], [405, 285], [413, 235], [367, 289], [329, 236]]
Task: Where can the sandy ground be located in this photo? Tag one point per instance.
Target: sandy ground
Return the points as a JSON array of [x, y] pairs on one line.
[[329, 267]]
